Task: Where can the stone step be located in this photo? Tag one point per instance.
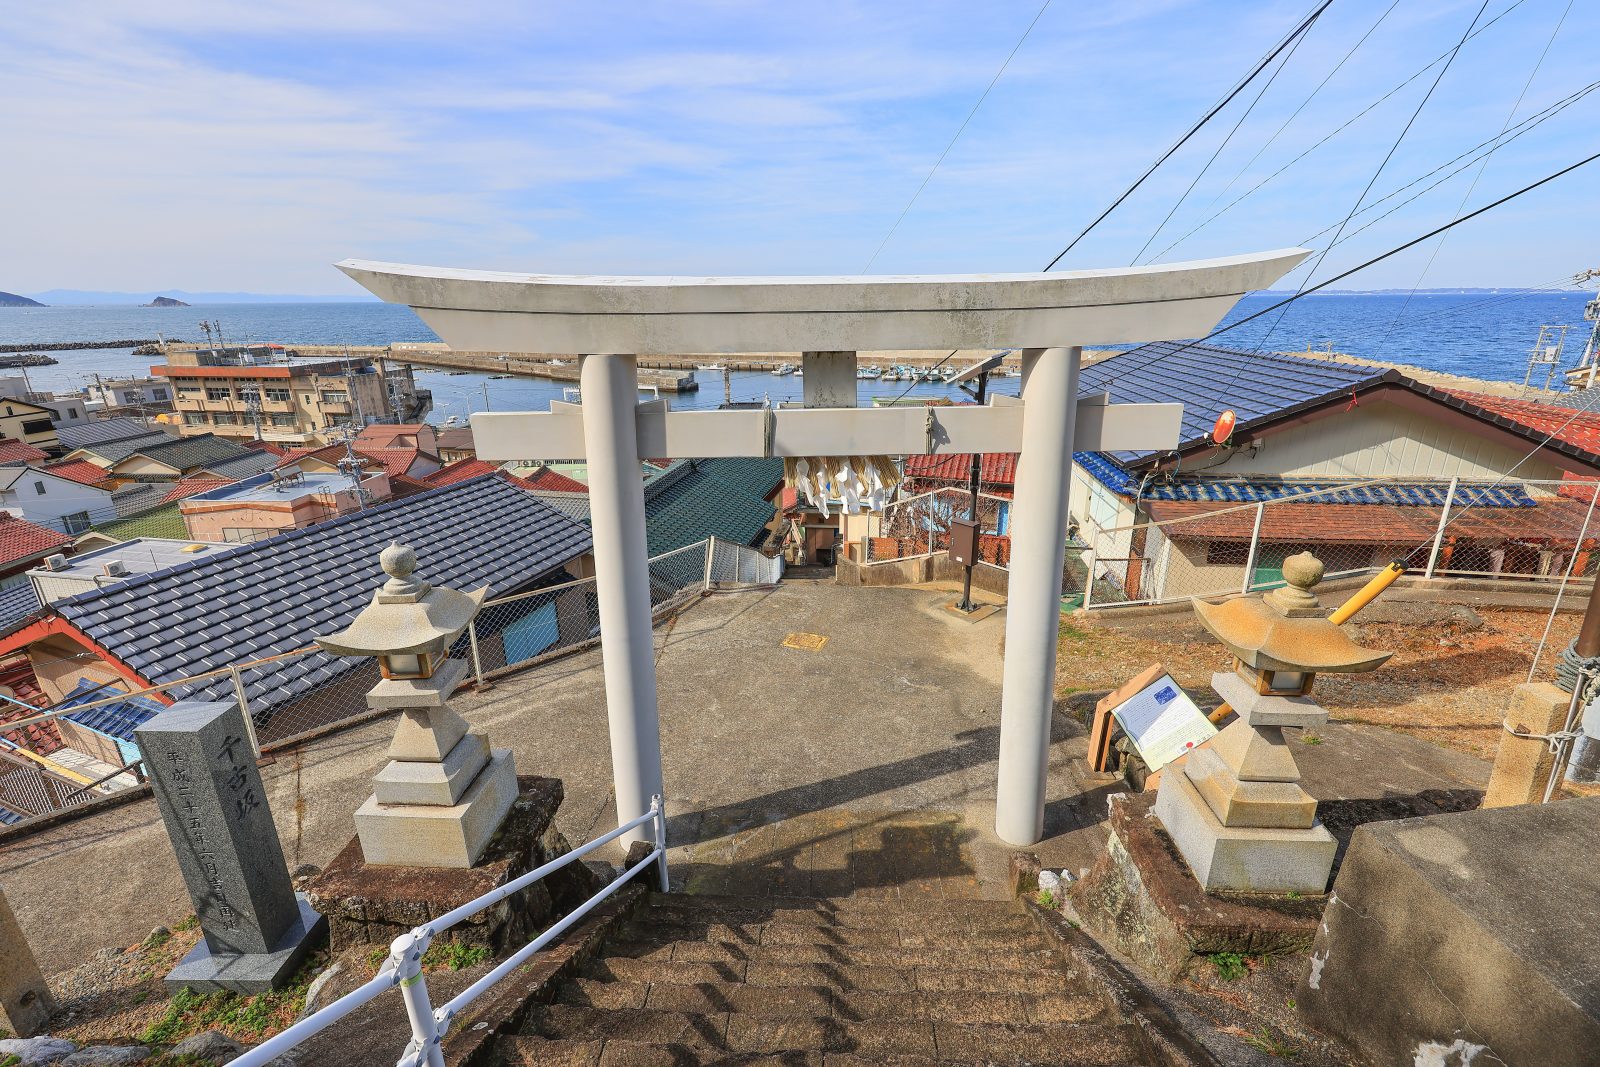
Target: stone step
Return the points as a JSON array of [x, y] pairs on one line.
[[776, 933], [714, 1037], [850, 1005], [832, 976], [843, 911], [1027, 955]]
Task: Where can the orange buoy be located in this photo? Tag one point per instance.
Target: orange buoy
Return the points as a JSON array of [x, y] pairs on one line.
[[1224, 427]]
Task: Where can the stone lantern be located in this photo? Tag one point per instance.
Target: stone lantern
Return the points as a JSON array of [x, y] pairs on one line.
[[444, 792], [1237, 813]]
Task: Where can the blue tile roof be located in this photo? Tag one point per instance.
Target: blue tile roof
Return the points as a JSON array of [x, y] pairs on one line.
[[1208, 380], [17, 604], [274, 596], [114, 720]]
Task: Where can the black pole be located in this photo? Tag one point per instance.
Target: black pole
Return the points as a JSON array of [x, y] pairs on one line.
[[972, 507]]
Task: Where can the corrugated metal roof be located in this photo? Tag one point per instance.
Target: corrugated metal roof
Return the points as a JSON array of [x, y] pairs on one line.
[[276, 595], [1208, 380]]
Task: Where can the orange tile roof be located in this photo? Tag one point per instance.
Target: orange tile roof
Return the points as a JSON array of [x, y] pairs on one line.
[[460, 471], [1580, 429], [21, 540], [77, 470], [554, 482], [13, 451], [999, 468], [1555, 521], [187, 487]]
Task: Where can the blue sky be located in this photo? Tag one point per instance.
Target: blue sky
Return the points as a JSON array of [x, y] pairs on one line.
[[205, 144]]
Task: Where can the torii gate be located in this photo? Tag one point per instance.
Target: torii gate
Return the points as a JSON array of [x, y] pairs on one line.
[[828, 319]]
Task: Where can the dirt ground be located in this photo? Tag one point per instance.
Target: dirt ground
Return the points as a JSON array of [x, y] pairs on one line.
[[1448, 682]]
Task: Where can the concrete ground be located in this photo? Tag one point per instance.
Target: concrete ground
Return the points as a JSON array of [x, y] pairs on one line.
[[866, 765]]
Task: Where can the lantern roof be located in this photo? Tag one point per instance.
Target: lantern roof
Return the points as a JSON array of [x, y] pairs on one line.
[[407, 615], [1287, 629]]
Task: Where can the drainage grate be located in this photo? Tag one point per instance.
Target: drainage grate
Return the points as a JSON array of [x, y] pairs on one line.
[[805, 642]]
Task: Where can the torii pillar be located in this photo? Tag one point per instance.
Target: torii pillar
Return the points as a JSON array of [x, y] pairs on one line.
[[502, 312]]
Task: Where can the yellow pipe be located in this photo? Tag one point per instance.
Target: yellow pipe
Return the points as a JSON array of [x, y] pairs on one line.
[[51, 765], [1368, 593]]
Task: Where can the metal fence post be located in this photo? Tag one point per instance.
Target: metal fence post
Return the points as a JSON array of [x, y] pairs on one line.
[[1438, 535], [1255, 546], [711, 551], [244, 706], [1088, 583], [660, 825], [477, 659], [406, 952]]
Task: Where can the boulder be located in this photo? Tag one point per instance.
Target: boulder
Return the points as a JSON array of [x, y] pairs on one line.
[[106, 1056], [213, 1046], [37, 1051]]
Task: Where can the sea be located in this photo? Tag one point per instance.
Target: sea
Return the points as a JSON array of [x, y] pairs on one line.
[[1480, 335]]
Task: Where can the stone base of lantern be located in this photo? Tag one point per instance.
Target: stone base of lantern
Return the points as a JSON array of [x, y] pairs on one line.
[[1249, 859], [371, 904], [429, 835]]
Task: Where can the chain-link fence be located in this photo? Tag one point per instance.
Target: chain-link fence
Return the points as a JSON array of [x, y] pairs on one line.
[[300, 694], [920, 525]]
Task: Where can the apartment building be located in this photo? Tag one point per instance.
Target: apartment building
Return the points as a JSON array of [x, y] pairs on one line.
[[295, 403]]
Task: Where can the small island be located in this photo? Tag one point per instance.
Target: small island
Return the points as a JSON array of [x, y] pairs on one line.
[[165, 302], [12, 300]]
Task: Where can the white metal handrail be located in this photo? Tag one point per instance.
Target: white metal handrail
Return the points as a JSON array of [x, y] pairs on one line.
[[403, 968]]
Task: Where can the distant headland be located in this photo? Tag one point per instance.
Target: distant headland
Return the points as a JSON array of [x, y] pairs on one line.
[[165, 302], [12, 300]]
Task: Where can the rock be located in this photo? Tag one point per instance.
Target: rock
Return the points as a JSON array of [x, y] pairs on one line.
[[108, 954], [106, 1056], [37, 1051], [318, 984], [157, 935], [213, 1046]]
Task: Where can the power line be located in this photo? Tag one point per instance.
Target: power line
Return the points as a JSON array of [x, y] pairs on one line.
[[959, 131], [1332, 134], [1262, 65]]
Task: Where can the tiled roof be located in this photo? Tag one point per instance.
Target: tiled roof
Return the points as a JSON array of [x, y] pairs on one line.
[[554, 482], [120, 449], [274, 596], [114, 720], [572, 505], [20, 539], [1556, 521], [98, 431], [403, 485], [17, 603], [187, 487], [455, 439], [267, 446], [77, 470], [394, 460], [1209, 380], [241, 466], [696, 499], [999, 468], [1571, 425], [461, 471], [12, 451], [202, 450]]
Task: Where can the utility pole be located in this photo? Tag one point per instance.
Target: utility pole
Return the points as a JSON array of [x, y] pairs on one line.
[[972, 503], [486, 396]]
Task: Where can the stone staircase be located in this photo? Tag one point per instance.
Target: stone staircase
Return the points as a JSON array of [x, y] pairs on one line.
[[694, 979]]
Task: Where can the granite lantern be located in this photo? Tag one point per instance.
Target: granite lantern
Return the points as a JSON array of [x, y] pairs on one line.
[[1237, 813], [444, 791]]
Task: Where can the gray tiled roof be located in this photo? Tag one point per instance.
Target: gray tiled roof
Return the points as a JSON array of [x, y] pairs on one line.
[[244, 465], [274, 596], [120, 448], [17, 602], [98, 431], [201, 451], [1208, 380]]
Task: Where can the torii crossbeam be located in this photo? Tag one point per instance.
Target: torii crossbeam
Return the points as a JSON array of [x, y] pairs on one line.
[[1048, 316]]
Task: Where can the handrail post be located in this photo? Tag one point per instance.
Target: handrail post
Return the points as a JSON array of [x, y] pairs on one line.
[[477, 660], [1255, 549], [244, 707], [660, 824], [1438, 534], [425, 1047]]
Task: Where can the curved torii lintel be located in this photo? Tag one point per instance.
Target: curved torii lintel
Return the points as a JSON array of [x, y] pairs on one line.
[[474, 310]]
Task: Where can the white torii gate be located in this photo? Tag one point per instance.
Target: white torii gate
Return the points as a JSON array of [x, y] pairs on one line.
[[826, 318]]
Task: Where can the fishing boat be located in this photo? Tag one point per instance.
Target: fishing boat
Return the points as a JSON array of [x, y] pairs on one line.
[[556, 362], [457, 373], [496, 377], [869, 374], [784, 368], [799, 372], [949, 374], [708, 366]]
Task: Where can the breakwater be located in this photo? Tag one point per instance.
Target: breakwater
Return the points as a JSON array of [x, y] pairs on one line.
[[73, 346]]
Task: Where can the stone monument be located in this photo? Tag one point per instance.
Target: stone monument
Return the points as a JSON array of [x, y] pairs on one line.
[[209, 790], [1237, 812], [444, 791], [25, 1002]]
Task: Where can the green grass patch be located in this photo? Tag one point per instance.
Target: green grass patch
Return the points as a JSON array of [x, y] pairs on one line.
[[244, 1018], [454, 955], [1047, 899], [1231, 966], [1264, 1040]]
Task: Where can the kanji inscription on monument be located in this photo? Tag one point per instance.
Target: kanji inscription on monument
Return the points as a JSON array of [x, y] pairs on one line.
[[212, 799]]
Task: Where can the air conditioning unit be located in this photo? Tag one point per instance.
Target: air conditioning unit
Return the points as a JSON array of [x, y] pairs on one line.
[[57, 562], [114, 568]]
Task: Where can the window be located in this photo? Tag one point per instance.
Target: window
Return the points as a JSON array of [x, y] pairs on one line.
[[284, 420], [226, 418], [218, 394], [335, 396], [38, 487], [187, 388], [38, 426], [72, 413], [249, 394], [75, 523], [194, 418], [307, 397], [159, 394], [279, 396]]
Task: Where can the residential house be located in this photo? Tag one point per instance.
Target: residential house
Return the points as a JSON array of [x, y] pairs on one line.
[[63, 409], [255, 600], [51, 498], [23, 544], [31, 423], [1313, 426], [102, 567], [170, 459], [288, 498], [411, 449], [136, 394], [100, 430], [455, 443]]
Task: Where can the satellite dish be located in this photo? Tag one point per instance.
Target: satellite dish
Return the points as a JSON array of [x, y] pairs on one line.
[[1223, 430]]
